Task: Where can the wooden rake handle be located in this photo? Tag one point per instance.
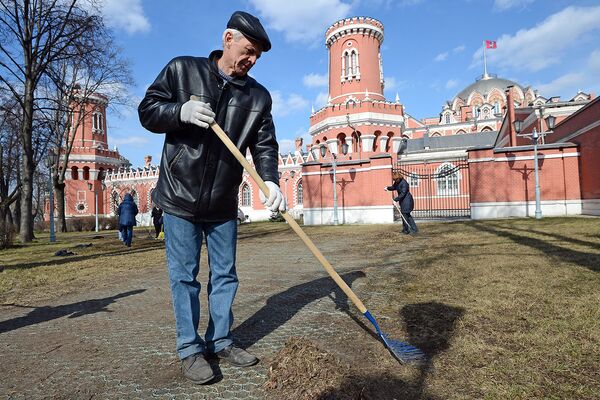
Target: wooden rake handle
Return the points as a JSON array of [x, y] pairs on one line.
[[291, 221]]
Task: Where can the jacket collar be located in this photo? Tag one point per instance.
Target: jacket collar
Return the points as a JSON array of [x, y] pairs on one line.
[[214, 57]]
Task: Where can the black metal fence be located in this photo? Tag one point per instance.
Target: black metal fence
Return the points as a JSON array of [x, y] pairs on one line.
[[440, 188]]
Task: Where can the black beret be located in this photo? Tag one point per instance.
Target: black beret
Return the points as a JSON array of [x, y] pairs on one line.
[[250, 27]]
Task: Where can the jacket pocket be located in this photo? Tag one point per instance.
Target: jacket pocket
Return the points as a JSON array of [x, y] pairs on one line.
[[176, 157]]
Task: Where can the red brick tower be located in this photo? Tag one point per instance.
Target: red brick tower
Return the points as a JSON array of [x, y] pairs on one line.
[[90, 159], [357, 112]]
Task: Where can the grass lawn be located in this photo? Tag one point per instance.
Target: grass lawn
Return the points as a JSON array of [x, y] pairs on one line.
[[505, 309]]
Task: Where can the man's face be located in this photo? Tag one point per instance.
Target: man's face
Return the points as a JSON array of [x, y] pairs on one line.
[[242, 55]]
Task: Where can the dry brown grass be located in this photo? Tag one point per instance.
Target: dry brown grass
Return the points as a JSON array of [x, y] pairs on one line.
[[505, 309], [32, 272]]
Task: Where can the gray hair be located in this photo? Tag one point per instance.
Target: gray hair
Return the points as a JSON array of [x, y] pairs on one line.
[[237, 35]]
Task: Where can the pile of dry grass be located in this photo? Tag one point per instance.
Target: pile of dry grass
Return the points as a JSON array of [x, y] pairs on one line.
[[303, 371]]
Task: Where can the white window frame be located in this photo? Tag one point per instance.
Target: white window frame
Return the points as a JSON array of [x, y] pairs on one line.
[[447, 185]]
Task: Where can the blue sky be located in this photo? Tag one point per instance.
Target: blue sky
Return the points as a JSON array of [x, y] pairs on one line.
[[431, 50]]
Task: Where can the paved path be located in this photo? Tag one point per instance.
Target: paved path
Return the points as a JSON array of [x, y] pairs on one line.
[[117, 341]]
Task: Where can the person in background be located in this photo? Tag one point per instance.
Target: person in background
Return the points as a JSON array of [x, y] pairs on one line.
[[406, 201], [157, 220], [199, 181], [127, 211]]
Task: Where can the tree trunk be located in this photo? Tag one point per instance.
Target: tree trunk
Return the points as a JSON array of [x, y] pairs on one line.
[[59, 189], [27, 166]]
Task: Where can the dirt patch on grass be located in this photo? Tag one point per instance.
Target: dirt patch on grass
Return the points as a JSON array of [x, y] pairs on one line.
[[302, 370]]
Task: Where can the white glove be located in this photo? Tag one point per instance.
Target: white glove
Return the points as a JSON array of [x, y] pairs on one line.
[[275, 201], [197, 113]]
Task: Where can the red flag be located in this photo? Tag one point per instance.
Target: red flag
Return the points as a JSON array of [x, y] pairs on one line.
[[490, 44]]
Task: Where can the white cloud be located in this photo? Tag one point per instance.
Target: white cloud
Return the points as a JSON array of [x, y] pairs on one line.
[[391, 83], [503, 5], [316, 80], [302, 22], [283, 106], [129, 141], [568, 84], [286, 146], [321, 100], [441, 57], [459, 49], [545, 44], [125, 14], [451, 83]]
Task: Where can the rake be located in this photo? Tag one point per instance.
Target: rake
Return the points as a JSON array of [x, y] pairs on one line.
[[410, 229], [402, 351]]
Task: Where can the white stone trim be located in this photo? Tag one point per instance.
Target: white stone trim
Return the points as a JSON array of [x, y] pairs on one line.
[[358, 94], [350, 215], [354, 28], [364, 119], [550, 208], [350, 170], [524, 158]]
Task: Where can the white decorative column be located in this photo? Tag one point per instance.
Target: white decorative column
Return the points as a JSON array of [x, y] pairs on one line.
[[367, 142], [333, 146], [349, 143], [396, 142], [382, 143]]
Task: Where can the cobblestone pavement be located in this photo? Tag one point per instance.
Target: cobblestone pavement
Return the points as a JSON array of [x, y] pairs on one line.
[[117, 341]]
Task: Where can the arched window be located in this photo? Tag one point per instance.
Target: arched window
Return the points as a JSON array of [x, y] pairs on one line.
[[97, 122], [246, 196], [299, 194], [413, 180], [346, 64], [74, 173], [447, 118], [354, 59], [101, 174], [496, 108], [447, 180], [86, 173]]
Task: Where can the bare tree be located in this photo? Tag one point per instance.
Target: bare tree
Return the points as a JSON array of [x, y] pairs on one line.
[[37, 39], [73, 84], [9, 158], [33, 35]]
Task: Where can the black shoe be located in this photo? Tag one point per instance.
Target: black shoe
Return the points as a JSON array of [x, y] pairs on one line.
[[406, 232], [197, 369], [237, 357]]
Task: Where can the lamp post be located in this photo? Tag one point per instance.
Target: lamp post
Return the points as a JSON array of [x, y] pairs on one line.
[[50, 161], [323, 150], [535, 135], [91, 186], [359, 144]]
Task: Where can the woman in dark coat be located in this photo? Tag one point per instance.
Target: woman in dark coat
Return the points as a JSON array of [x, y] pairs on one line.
[[157, 220], [406, 201], [127, 211]]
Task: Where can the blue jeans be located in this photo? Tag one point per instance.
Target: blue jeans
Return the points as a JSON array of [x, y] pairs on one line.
[[127, 232], [183, 241]]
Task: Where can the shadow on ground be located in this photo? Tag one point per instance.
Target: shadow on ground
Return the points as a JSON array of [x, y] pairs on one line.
[[430, 327], [74, 310], [282, 306], [587, 260]]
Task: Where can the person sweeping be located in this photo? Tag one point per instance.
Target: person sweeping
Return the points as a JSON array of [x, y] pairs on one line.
[[406, 201]]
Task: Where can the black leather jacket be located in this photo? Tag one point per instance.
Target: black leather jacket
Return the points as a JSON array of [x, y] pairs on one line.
[[199, 178]]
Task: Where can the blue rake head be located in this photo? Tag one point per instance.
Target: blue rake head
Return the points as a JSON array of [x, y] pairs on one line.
[[402, 351]]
